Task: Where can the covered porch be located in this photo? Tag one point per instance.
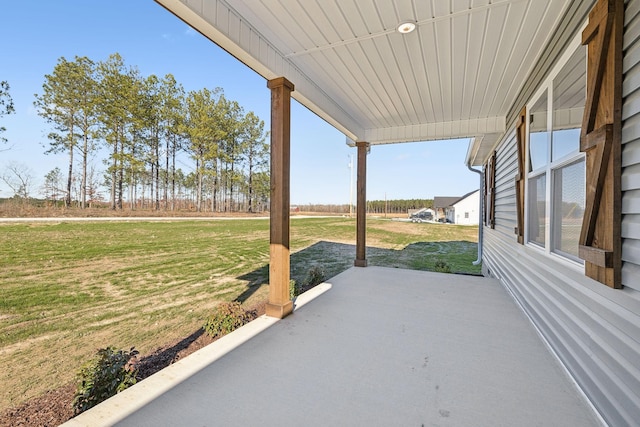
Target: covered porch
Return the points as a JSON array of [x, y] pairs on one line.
[[382, 73], [375, 346], [372, 346]]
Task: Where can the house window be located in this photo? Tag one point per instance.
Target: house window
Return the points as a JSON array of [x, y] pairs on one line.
[[556, 167], [568, 207], [466, 215], [537, 209], [539, 134]]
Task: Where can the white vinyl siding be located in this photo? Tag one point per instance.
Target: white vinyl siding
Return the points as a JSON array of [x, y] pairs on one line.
[[631, 149], [506, 170]]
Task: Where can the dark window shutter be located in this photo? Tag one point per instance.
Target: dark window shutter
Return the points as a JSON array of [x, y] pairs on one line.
[[485, 215], [521, 129], [491, 191], [600, 140]]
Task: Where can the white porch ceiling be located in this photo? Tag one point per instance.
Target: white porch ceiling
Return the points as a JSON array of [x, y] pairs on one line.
[[455, 76]]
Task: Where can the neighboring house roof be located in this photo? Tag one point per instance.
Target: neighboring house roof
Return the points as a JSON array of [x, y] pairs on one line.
[[465, 196], [440, 202]]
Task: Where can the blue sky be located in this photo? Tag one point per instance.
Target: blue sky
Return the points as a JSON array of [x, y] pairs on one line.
[[35, 33]]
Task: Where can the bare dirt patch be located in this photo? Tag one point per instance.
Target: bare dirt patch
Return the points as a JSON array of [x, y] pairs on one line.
[[23, 344], [400, 226]]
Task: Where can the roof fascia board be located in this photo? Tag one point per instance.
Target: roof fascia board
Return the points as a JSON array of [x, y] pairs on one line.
[[472, 150]]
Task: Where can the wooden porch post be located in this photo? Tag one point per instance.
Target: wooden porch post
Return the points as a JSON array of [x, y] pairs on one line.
[[361, 209], [279, 304]]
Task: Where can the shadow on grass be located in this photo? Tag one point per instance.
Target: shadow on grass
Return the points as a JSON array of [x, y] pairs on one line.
[[334, 258]]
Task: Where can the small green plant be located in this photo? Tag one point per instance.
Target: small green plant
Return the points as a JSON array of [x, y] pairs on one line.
[[315, 276], [442, 267], [295, 289], [227, 317], [110, 372]]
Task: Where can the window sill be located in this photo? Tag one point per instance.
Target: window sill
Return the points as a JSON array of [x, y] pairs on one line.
[[564, 261]]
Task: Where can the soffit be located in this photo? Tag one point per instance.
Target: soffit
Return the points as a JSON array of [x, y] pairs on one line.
[[456, 75]]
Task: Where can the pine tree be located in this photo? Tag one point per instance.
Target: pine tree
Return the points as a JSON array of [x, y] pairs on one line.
[[172, 116], [203, 129], [68, 103], [118, 90], [256, 153]]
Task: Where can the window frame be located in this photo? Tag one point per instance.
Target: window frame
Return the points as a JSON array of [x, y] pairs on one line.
[[551, 166]]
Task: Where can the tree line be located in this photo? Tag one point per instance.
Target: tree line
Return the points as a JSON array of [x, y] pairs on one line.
[[397, 206], [145, 125], [400, 206]]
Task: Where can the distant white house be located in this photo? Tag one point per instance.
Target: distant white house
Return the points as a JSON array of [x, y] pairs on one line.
[[442, 205], [466, 210]]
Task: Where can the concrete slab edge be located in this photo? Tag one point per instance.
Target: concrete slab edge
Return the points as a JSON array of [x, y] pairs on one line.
[[130, 400], [310, 295]]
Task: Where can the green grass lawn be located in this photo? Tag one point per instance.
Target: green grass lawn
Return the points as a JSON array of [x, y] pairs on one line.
[[69, 288]]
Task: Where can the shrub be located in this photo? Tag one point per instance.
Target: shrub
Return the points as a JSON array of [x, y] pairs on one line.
[[294, 289], [315, 276], [227, 317], [110, 372], [442, 267]]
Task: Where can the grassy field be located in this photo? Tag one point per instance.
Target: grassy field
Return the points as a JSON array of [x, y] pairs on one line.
[[69, 288]]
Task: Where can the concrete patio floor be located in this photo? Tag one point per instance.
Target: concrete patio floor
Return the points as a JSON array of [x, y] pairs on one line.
[[376, 347]]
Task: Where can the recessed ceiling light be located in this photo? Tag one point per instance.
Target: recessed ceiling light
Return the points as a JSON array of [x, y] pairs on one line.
[[406, 27]]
